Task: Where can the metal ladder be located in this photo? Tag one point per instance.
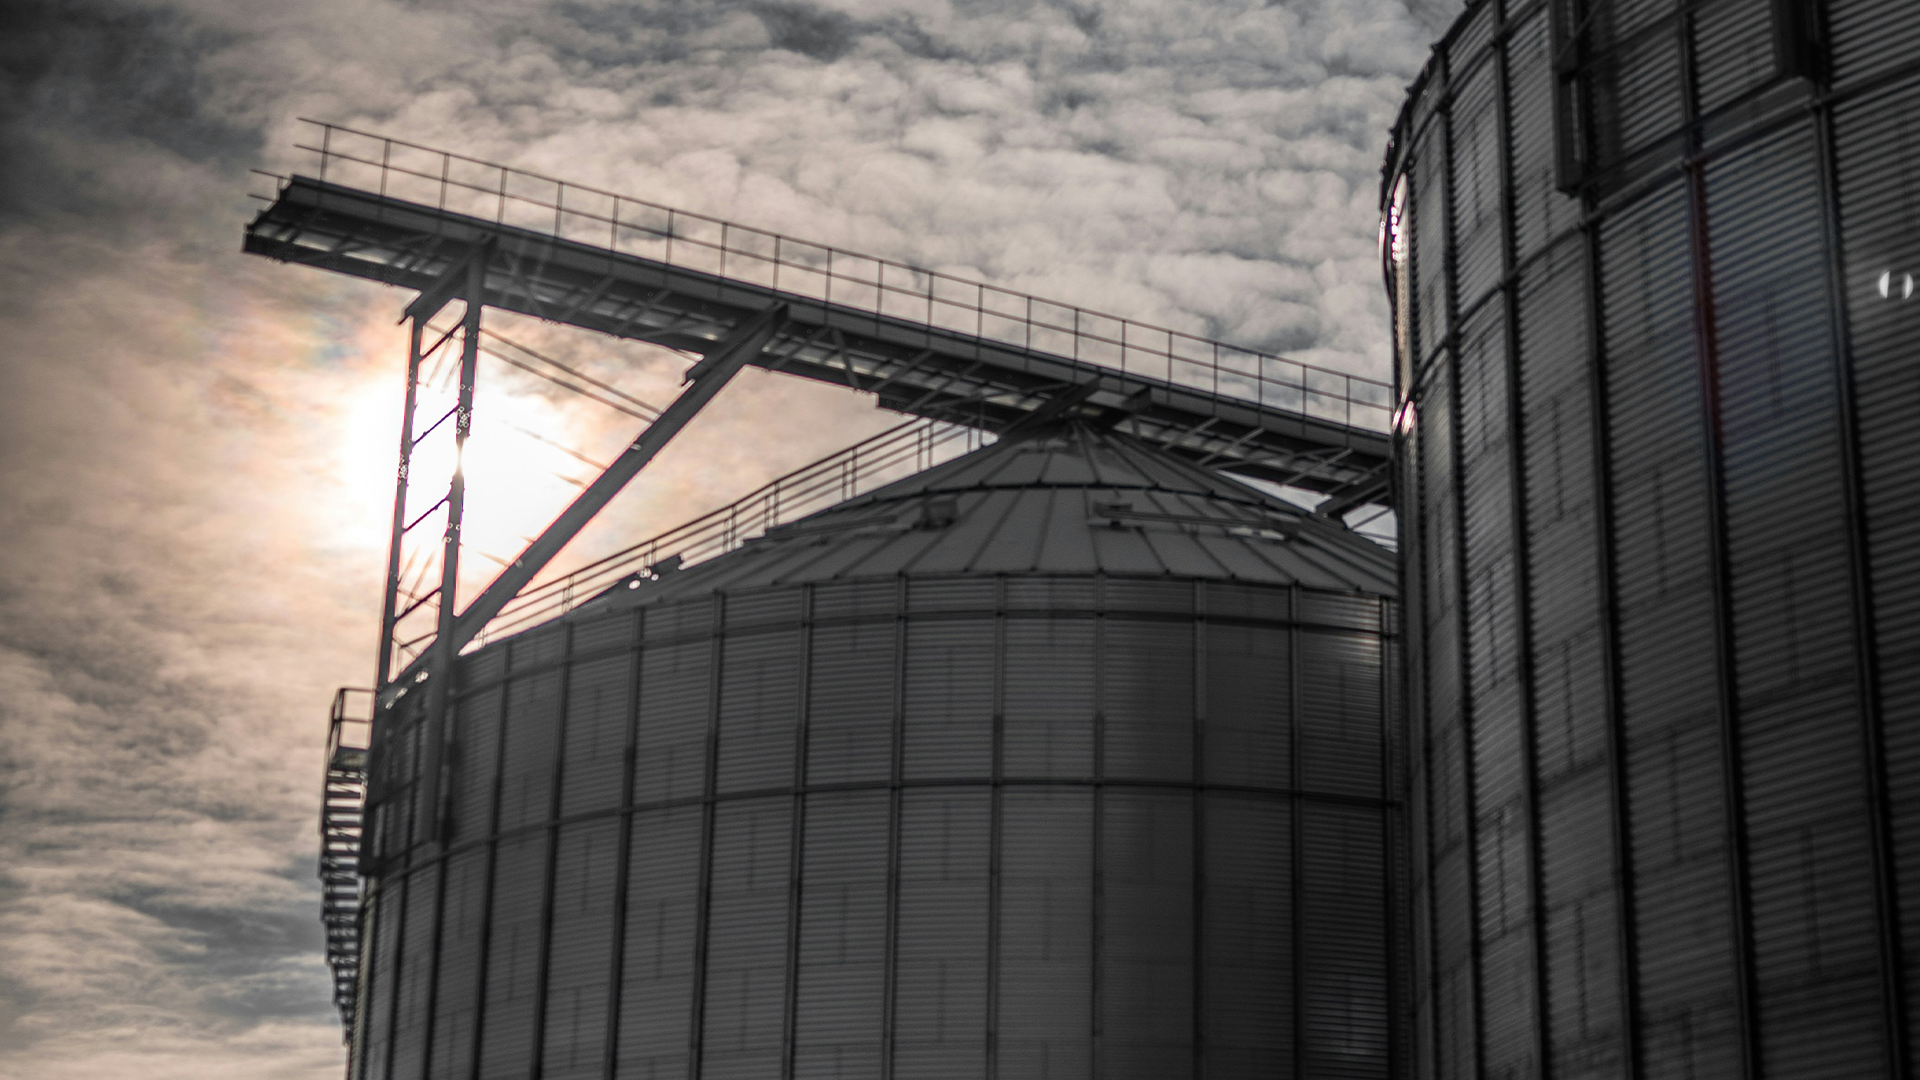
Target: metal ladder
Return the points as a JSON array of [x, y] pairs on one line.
[[342, 818]]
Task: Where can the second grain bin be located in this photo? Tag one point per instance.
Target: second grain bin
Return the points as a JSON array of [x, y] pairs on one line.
[[1064, 759]]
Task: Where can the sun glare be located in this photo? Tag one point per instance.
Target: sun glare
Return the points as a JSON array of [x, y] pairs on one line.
[[516, 482]]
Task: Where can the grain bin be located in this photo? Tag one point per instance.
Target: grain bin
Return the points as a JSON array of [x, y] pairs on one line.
[[1660, 506], [1065, 758]]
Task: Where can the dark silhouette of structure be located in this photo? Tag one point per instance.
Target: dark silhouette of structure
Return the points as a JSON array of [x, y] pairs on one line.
[[1652, 267]]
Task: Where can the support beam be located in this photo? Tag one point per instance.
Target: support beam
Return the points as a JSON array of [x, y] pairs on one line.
[[388, 615], [705, 380], [441, 653]]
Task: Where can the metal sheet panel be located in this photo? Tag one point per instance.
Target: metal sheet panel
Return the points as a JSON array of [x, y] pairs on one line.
[[1146, 700], [1733, 51], [1870, 37], [1146, 966], [1479, 176], [593, 753], [474, 762], [850, 708], [580, 948], [1802, 728], [1340, 737], [412, 988], [384, 914], [463, 920], [1343, 938], [941, 944], [1540, 212], [1878, 155], [1247, 936], [743, 1012], [947, 727], [1249, 706], [610, 633], [514, 957], [657, 966], [840, 962], [670, 742], [759, 710], [528, 749], [1049, 698], [1045, 1020], [1669, 662], [1431, 313], [1636, 97]]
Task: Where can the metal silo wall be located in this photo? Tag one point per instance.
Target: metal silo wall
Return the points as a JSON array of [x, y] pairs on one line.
[[1660, 498], [911, 827]]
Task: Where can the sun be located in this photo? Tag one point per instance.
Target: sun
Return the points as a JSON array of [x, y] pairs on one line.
[[517, 478]]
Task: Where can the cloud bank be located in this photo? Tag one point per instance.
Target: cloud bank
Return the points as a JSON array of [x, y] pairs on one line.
[[190, 507]]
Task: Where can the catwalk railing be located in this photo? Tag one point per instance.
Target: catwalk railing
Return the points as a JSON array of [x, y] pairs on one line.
[[895, 453], [886, 288]]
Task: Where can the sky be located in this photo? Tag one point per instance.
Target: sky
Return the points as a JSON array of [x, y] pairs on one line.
[[196, 446]]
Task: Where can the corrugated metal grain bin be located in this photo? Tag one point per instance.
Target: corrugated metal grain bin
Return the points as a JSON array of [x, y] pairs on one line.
[[1062, 759], [1659, 365]]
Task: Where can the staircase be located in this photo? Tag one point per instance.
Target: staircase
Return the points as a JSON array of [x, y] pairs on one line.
[[342, 812]]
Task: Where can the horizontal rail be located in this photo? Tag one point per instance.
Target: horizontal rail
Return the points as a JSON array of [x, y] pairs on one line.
[[890, 455]]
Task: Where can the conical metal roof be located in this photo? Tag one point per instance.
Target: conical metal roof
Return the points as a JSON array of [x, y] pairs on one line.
[[1075, 500]]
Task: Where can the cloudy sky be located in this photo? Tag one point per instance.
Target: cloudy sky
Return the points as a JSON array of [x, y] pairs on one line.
[[195, 445]]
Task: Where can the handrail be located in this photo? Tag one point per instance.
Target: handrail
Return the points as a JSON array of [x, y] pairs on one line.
[[890, 455], [623, 223]]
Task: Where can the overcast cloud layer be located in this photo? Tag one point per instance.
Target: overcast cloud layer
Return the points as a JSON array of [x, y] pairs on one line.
[[195, 444]]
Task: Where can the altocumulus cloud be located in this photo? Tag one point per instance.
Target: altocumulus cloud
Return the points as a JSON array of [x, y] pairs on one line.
[[191, 532]]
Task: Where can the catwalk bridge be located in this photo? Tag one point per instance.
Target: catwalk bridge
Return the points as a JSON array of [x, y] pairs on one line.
[[924, 343]]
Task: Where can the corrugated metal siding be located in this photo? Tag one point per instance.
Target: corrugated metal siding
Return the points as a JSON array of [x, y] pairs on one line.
[[1732, 51], [1540, 212], [1871, 37], [840, 958], [1146, 700], [514, 960], [413, 987], [593, 762], [1722, 846], [941, 939], [743, 1011], [1584, 1010], [1636, 96], [580, 948], [528, 749], [1668, 632], [1145, 980], [474, 753], [1878, 150], [1247, 936], [947, 697], [759, 710], [463, 921], [1810, 851], [1049, 698], [1249, 706], [850, 703], [657, 967], [383, 913], [1340, 737], [1479, 174], [1428, 227], [1344, 962], [1045, 1020], [670, 743]]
